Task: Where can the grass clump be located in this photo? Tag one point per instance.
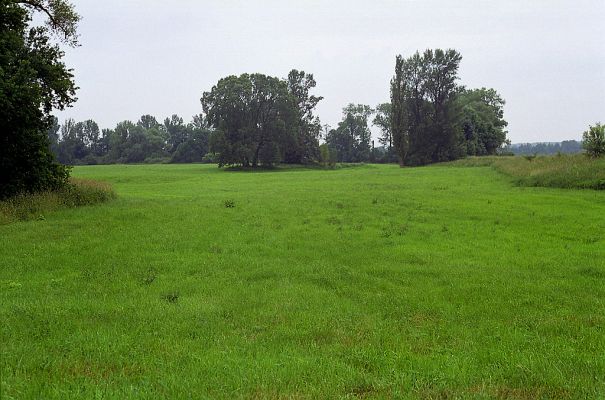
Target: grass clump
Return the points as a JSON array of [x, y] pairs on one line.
[[562, 171], [77, 192]]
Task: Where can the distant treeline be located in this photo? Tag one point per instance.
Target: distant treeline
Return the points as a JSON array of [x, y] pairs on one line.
[[147, 140], [255, 119], [564, 147]]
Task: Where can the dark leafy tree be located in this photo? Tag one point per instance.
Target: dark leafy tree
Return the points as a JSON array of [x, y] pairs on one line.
[[383, 120], [254, 117], [423, 91], [177, 132], [305, 146], [145, 141], [593, 140], [196, 146], [352, 139], [481, 113], [54, 135], [148, 122], [33, 82]]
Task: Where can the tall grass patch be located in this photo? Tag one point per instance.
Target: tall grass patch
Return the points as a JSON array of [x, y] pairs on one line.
[[562, 171], [78, 192]]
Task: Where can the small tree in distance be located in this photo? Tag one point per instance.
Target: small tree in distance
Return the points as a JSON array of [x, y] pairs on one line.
[[593, 140]]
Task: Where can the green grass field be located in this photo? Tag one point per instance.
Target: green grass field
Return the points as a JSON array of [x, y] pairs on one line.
[[442, 282]]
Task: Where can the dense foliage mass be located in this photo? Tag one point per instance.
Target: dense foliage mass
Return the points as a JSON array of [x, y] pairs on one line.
[[33, 81], [263, 120], [434, 119], [351, 140], [147, 140], [594, 140]]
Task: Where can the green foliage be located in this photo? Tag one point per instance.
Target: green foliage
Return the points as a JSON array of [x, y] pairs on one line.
[[146, 141], [433, 119], [328, 156], [33, 81], [78, 192], [263, 120], [383, 119], [250, 113], [454, 284], [423, 92], [481, 113], [351, 140], [61, 18], [593, 140], [304, 147]]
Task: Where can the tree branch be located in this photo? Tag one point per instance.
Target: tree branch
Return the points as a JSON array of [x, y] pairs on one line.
[[38, 6], [61, 17]]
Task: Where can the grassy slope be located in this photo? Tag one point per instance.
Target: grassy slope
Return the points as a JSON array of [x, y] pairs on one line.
[[374, 281]]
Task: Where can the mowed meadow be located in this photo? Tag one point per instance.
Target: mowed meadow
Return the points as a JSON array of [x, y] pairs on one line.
[[362, 282]]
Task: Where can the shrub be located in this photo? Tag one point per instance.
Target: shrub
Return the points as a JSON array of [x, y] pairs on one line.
[[594, 140]]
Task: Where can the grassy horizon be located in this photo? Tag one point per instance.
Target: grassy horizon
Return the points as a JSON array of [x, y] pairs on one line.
[[367, 282]]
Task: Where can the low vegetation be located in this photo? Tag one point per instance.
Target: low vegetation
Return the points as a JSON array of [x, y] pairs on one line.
[[78, 192], [562, 171], [370, 282], [594, 141]]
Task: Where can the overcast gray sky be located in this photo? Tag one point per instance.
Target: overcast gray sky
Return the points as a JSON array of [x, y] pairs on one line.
[[545, 57]]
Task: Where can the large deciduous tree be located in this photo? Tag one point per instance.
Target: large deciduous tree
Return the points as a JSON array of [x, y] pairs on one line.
[[481, 120], [423, 91], [254, 117], [305, 146], [33, 82]]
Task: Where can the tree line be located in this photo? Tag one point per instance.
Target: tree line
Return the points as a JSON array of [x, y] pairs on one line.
[[545, 148], [255, 120], [146, 140], [262, 120]]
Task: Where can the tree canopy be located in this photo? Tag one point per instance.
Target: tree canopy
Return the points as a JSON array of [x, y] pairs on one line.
[[263, 120], [147, 140], [33, 82], [351, 140], [434, 119]]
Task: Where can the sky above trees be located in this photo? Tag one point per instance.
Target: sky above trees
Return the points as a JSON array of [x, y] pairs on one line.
[[545, 57]]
